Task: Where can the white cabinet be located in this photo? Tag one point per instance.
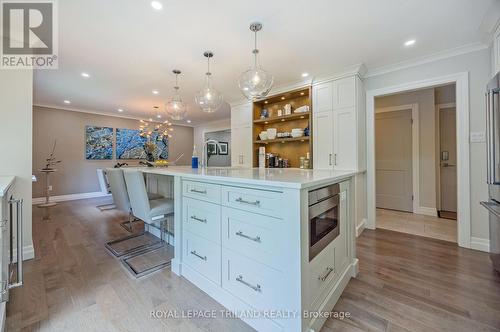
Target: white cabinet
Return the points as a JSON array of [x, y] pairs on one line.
[[338, 124], [323, 140], [241, 135], [496, 52]]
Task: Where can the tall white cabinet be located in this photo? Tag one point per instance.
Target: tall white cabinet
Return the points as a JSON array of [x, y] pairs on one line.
[[241, 135], [339, 124]]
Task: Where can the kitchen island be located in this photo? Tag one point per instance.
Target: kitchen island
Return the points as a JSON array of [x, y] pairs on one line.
[[249, 239]]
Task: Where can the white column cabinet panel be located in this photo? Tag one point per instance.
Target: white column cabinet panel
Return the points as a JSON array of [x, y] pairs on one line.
[[323, 140], [344, 139], [241, 135], [323, 97], [344, 93]]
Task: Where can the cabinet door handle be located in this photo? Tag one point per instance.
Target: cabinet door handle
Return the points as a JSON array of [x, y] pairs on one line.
[[199, 219], [241, 200], [335, 159], [255, 239], [198, 255], [19, 225], [255, 288], [330, 159], [327, 273], [204, 192]]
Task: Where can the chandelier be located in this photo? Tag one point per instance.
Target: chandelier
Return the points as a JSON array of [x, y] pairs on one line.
[[208, 99], [176, 108], [155, 130], [255, 82]]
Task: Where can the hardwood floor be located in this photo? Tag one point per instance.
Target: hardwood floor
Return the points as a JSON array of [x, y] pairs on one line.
[[406, 283]]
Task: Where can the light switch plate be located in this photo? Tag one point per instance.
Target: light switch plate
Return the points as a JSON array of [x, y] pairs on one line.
[[478, 137]]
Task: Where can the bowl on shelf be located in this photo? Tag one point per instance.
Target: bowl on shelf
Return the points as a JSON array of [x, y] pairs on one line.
[[263, 135], [271, 133], [296, 134]]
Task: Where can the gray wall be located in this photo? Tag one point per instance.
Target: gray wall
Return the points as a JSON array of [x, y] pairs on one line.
[[220, 160], [75, 173]]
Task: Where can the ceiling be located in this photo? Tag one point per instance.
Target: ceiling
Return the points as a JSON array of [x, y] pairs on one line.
[[130, 49]]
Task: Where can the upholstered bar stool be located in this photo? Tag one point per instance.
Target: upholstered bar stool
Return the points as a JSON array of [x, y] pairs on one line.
[[156, 214]]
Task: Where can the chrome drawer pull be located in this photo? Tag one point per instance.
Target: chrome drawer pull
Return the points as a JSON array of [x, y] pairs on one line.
[[325, 276], [255, 288], [241, 200], [198, 255], [199, 219], [256, 239], [203, 192]]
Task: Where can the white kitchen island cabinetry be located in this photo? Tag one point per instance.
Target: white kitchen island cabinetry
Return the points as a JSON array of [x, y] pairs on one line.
[[242, 236]]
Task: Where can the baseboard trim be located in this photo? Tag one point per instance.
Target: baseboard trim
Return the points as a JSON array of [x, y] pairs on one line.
[[70, 197], [480, 244], [361, 227], [28, 253], [427, 211]]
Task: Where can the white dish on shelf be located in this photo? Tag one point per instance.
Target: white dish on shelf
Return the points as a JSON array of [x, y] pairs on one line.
[[297, 134], [271, 133], [263, 135], [302, 109]]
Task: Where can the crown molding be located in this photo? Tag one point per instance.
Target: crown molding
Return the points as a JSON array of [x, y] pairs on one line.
[[355, 70], [465, 49], [122, 116]]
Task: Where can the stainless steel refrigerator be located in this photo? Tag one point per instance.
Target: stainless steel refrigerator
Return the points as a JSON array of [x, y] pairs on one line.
[[493, 159]]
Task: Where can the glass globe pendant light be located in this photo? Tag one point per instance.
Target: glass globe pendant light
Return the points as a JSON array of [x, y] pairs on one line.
[[176, 108], [255, 82], [208, 99]]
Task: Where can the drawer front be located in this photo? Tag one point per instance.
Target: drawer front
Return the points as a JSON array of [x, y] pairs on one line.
[[201, 190], [255, 236], [203, 256], [253, 200], [202, 218], [254, 283], [321, 273]]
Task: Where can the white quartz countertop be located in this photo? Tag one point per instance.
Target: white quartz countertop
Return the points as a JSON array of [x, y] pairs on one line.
[[276, 177], [5, 182]]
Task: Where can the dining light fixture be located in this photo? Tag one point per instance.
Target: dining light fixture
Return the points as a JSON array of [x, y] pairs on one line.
[[208, 99], [255, 82], [176, 109]]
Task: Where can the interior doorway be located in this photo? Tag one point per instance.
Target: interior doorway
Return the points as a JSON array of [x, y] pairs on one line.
[[219, 155], [415, 162]]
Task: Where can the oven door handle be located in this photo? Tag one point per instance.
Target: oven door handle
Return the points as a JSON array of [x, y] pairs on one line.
[[323, 206]]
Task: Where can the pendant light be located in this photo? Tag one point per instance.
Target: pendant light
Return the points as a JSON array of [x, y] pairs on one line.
[[176, 108], [255, 82], [208, 99]]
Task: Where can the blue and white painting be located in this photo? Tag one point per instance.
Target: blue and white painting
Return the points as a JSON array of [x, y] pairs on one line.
[[130, 145], [98, 143]]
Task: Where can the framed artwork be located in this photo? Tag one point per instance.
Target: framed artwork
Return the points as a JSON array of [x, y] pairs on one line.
[[98, 143], [223, 148], [212, 149], [130, 145]]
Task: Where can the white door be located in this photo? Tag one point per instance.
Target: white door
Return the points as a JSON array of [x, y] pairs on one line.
[[323, 140], [344, 139], [393, 155], [448, 159]]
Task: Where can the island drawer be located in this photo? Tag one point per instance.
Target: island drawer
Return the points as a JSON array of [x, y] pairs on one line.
[[200, 190], [252, 282], [202, 218], [253, 235], [203, 256], [321, 273], [259, 201]]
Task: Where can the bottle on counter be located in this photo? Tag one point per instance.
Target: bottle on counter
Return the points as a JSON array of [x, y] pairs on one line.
[[307, 161], [194, 158], [262, 157]]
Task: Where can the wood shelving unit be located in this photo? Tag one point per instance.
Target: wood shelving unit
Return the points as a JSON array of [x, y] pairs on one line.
[[287, 148]]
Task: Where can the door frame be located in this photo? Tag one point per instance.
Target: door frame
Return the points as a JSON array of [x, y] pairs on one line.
[[440, 107], [461, 81], [415, 148]]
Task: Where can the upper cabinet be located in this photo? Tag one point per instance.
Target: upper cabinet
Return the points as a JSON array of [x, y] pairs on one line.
[[339, 124]]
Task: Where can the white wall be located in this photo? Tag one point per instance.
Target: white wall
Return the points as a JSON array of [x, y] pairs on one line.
[[199, 131], [16, 91], [478, 64]]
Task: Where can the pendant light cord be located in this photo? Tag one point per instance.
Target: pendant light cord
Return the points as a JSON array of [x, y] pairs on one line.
[[255, 50]]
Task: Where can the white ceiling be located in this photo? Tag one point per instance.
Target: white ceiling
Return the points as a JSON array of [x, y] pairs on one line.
[[129, 49]]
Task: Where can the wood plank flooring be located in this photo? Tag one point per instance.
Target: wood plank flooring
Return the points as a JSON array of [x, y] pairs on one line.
[[406, 283]]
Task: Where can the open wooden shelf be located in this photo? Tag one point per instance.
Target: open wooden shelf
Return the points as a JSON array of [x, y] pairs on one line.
[[283, 140], [283, 118]]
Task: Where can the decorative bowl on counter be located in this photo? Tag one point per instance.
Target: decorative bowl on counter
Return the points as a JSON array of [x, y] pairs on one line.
[[263, 135], [271, 133]]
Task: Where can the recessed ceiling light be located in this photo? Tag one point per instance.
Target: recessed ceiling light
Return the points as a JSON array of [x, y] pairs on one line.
[[266, 102], [410, 42], [305, 74], [302, 93], [67, 102], [188, 121], [120, 110], [86, 75], [156, 5], [282, 98], [155, 92]]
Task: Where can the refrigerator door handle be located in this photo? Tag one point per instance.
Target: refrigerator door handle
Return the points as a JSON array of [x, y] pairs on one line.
[[19, 226], [490, 133]]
